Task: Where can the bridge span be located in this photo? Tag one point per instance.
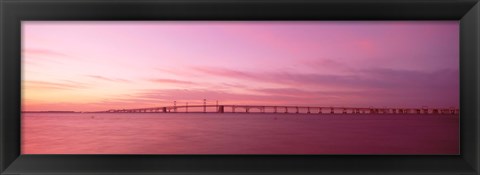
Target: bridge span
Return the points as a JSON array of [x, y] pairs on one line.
[[283, 109]]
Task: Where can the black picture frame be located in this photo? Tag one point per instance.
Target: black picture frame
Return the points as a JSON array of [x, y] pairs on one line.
[[14, 11]]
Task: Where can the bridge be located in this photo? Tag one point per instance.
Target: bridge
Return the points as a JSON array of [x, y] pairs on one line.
[[283, 109]]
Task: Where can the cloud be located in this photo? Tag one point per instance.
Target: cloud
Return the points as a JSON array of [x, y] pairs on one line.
[[50, 85], [285, 92], [46, 52], [328, 65], [197, 95], [233, 85], [401, 79], [375, 78], [367, 87], [171, 81], [174, 71], [377, 86], [223, 72], [107, 79]]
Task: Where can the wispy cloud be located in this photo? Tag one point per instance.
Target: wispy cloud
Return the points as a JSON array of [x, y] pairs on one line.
[[171, 81], [51, 85], [107, 79], [376, 78], [328, 65], [46, 52], [223, 72]]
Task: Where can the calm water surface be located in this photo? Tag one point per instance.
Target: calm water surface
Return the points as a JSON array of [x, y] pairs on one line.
[[181, 133]]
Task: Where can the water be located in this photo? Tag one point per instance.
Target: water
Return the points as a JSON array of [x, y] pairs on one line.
[[197, 133]]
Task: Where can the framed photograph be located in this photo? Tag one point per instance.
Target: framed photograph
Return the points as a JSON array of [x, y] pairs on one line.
[[239, 87]]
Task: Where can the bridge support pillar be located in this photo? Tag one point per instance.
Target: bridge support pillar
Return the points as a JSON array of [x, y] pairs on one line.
[[221, 109], [425, 111], [332, 111], [204, 105]]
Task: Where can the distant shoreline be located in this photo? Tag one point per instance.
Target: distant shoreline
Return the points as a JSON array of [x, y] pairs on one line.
[[50, 112]]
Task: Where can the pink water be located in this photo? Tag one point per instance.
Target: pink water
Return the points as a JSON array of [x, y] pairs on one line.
[[180, 133]]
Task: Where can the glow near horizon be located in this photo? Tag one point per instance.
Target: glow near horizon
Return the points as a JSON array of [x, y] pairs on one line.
[[88, 66]]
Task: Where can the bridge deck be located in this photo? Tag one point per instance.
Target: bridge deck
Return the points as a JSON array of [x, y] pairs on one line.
[[285, 109]]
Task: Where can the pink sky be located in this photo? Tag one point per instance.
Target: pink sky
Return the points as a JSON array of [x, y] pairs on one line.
[[89, 66]]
